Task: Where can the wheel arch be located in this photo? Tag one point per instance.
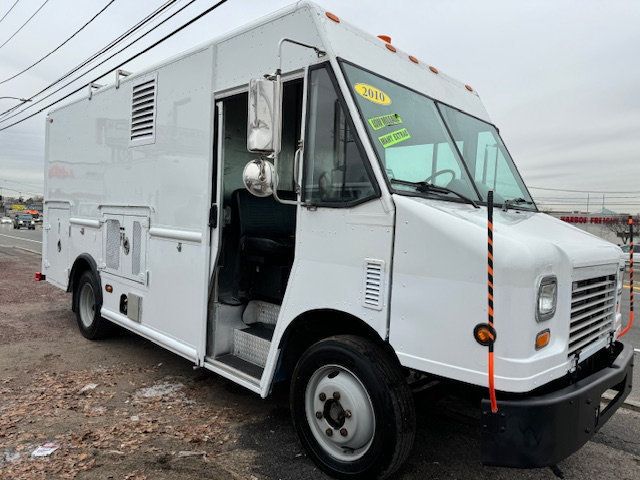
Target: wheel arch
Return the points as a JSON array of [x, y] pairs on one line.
[[314, 325], [83, 262]]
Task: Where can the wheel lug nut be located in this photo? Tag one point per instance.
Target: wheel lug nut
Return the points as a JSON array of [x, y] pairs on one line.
[[323, 397], [336, 395], [329, 432], [343, 432], [347, 413], [318, 415]]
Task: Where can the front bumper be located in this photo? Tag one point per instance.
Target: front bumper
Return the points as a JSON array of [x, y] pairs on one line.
[[540, 430]]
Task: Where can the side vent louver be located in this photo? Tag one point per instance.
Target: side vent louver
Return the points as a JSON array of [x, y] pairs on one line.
[[373, 296], [143, 113]]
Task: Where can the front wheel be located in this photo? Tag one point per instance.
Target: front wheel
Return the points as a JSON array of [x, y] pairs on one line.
[[352, 408]]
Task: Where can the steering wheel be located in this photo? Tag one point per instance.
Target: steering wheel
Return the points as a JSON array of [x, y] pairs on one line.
[[435, 175]]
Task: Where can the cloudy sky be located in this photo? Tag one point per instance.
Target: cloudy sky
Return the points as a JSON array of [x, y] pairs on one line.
[[560, 78]]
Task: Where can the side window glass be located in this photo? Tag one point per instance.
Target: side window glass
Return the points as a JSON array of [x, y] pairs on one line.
[[334, 166]]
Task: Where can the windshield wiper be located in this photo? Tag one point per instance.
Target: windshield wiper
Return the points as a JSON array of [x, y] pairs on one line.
[[511, 203], [426, 187]]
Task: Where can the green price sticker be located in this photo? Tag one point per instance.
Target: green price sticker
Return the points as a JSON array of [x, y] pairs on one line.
[[385, 121], [394, 137]]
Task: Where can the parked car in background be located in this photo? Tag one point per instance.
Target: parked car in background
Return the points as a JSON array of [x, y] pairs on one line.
[[4, 220], [24, 221]]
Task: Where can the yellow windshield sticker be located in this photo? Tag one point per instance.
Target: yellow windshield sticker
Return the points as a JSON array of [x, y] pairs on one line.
[[372, 94], [385, 121], [394, 137]]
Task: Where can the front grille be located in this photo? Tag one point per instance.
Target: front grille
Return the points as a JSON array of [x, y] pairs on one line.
[[593, 303]]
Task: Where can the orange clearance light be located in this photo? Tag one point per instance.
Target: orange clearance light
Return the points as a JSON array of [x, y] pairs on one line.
[[434, 69], [484, 334], [385, 38], [332, 16], [390, 47], [414, 59], [108, 288], [542, 339], [469, 87]]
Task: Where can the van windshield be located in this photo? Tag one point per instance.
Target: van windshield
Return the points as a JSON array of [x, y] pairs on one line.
[[412, 141]]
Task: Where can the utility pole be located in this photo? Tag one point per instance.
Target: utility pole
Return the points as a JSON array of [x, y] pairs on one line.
[[587, 203]]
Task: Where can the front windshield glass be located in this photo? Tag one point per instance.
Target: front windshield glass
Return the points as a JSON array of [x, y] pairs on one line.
[[486, 157], [408, 135], [411, 139]]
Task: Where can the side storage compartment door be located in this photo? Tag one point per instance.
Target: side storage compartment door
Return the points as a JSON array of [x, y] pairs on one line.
[[113, 229], [56, 255], [134, 248], [125, 246]]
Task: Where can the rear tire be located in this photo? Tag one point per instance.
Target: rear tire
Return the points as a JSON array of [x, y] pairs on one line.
[[352, 408], [88, 298]]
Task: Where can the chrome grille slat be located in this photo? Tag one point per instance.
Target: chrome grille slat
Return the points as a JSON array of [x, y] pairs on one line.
[[587, 332], [592, 311], [591, 295], [589, 286], [589, 340], [589, 305], [577, 326]]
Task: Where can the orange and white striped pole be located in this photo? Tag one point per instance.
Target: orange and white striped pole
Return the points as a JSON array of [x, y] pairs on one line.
[[626, 329], [492, 388]]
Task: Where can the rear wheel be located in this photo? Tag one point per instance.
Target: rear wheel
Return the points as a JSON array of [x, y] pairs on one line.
[[88, 299], [352, 408]]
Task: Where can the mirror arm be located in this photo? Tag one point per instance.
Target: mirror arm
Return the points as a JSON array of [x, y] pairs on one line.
[[275, 156]]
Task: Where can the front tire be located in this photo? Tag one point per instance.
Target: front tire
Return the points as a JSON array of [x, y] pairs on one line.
[[352, 408], [88, 298]]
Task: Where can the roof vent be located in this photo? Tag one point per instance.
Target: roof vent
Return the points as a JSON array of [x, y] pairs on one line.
[[373, 284], [143, 113]]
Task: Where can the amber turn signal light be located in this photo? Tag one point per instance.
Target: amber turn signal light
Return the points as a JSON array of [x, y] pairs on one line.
[[484, 334], [108, 288], [542, 339]]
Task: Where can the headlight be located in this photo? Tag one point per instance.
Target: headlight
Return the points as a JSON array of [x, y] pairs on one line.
[[547, 298], [620, 280]]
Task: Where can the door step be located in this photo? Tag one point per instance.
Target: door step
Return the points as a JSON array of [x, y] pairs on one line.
[[252, 344], [237, 364], [258, 311]]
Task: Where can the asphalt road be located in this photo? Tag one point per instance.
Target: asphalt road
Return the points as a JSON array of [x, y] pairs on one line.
[[27, 239]]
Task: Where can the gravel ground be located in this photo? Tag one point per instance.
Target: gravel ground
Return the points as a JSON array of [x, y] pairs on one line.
[[124, 408]]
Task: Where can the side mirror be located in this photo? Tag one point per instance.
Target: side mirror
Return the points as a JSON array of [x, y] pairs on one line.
[[264, 116], [259, 177]]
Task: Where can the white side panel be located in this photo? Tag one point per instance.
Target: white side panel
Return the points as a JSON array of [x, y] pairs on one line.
[[259, 47], [56, 241], [95, 167]]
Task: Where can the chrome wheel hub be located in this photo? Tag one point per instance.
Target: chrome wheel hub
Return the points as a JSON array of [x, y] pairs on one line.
[[339, 412], [86, 305]]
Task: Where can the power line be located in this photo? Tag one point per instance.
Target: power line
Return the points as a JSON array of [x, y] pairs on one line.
[[25, 23], [24, 184], [9, 11], [59, 46], [145, 50], [82, 64], [580, 191]]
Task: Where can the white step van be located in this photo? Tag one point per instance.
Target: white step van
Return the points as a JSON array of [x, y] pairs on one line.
[[300, 201]]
